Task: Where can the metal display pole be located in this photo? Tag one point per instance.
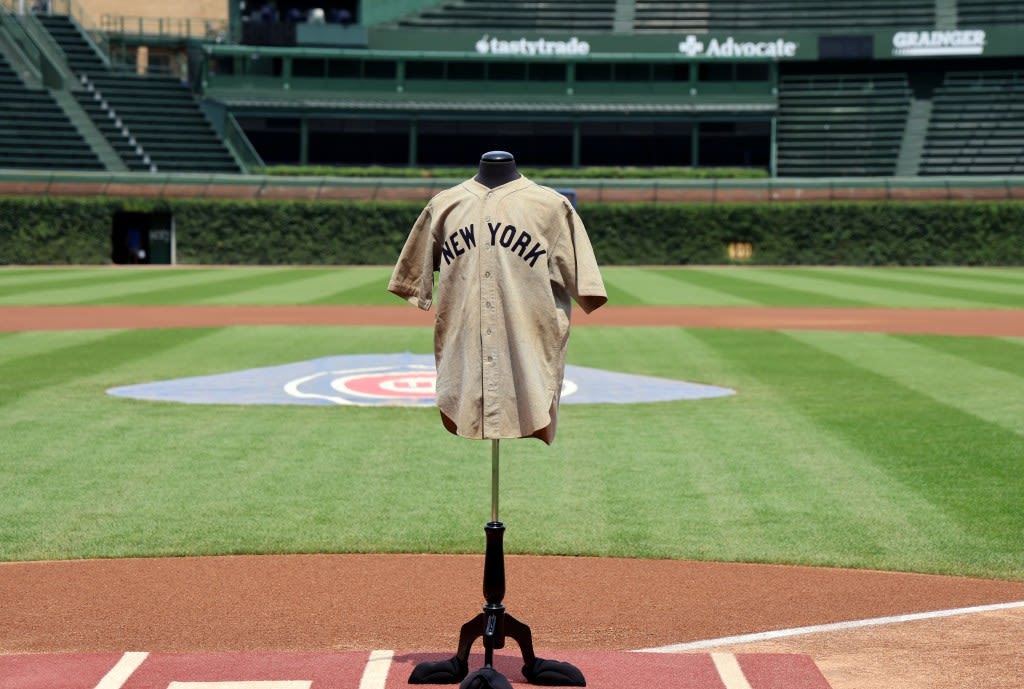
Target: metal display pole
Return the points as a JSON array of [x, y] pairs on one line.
[[494, 624]]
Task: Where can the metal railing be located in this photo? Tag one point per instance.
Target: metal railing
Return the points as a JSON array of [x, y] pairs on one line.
[[38, 49], [69, 8], [166, 27]]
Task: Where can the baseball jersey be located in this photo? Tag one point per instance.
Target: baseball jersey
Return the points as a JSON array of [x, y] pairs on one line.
[[510, 261]]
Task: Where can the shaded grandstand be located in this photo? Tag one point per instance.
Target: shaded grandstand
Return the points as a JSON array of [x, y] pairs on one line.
[[798, 88], [92, 115]]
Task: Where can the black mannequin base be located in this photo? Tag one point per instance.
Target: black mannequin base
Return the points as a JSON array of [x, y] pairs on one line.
[[494, 624]]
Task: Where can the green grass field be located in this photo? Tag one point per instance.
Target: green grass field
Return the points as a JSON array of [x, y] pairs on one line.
[[899, 452]]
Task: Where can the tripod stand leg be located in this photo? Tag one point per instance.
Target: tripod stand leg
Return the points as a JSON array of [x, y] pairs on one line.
[[522, 635], [456, 668]]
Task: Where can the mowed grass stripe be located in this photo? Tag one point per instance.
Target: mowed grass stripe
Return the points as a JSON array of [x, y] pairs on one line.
[[371, 290], [14, 279], [1007, 276], [699, 286], [741, 478], [957, 295], [128, 286], [735, 281], [31, 343], [967, 467], [992, 395], [999, 353], [53, 283], [306, 286], [981, 280], [803, 480], [852, 293], [226, 288], [651, 286], [83, 355]]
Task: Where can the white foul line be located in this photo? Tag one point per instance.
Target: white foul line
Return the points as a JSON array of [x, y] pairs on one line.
[[252, 684], [729, 671], [834, 627], [122, 670], [376, 673]]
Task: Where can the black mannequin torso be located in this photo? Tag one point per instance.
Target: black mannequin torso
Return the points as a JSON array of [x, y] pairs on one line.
[[497, 168]]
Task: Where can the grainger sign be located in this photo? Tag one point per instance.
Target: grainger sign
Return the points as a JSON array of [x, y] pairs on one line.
[[938, 43]]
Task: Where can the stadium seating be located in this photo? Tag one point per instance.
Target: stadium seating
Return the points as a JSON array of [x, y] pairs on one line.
[[841, 125], [152, 122], [972, 13], [34, 131], [977, 125], [592, 15], [744, 15], [649, 16]]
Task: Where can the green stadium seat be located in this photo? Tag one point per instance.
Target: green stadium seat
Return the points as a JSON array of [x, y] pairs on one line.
[[569, 15], [34, 131], [728, 15], [841, 125], [152, 123], [977, 124]]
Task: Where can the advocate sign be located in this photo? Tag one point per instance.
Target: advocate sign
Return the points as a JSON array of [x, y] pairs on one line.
[[729, 48]]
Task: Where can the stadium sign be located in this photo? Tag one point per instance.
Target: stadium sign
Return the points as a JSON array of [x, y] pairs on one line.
[[489, 45], [730, 48], [938, 43]]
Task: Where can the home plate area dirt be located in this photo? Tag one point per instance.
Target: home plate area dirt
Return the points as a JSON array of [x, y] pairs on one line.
[[364, 621]]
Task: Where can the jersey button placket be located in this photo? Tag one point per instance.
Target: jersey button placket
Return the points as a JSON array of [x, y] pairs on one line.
[[488, 327]]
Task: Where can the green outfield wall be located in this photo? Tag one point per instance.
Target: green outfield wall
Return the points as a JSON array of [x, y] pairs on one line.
[[270, 229]]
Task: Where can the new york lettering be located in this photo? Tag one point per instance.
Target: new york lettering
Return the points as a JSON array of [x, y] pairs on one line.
[[516, 241], [519, 242], [453, 247]]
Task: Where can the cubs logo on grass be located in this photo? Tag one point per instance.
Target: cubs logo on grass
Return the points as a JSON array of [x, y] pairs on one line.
[[391, 379], [412, 385]]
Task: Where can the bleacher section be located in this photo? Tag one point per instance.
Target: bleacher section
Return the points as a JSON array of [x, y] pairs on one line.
[[35, 132], [572, 15], [152, 122], [667, 16], [973, 13], [746, 15], [841, 125], [977, 125]]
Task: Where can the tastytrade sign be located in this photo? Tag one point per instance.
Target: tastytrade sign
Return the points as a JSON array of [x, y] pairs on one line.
[[925, 43], [731, 48], [488, 45]]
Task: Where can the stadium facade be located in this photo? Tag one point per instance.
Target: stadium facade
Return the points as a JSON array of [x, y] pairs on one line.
[[800, 88]]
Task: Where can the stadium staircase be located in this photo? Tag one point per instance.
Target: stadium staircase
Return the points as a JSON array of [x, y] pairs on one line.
[[977, 125], [35, 133], [153, 123], [841, 125], [912, 145]]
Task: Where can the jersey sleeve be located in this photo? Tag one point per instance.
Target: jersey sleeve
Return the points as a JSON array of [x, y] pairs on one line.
[[413, 276], [575, 264]]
